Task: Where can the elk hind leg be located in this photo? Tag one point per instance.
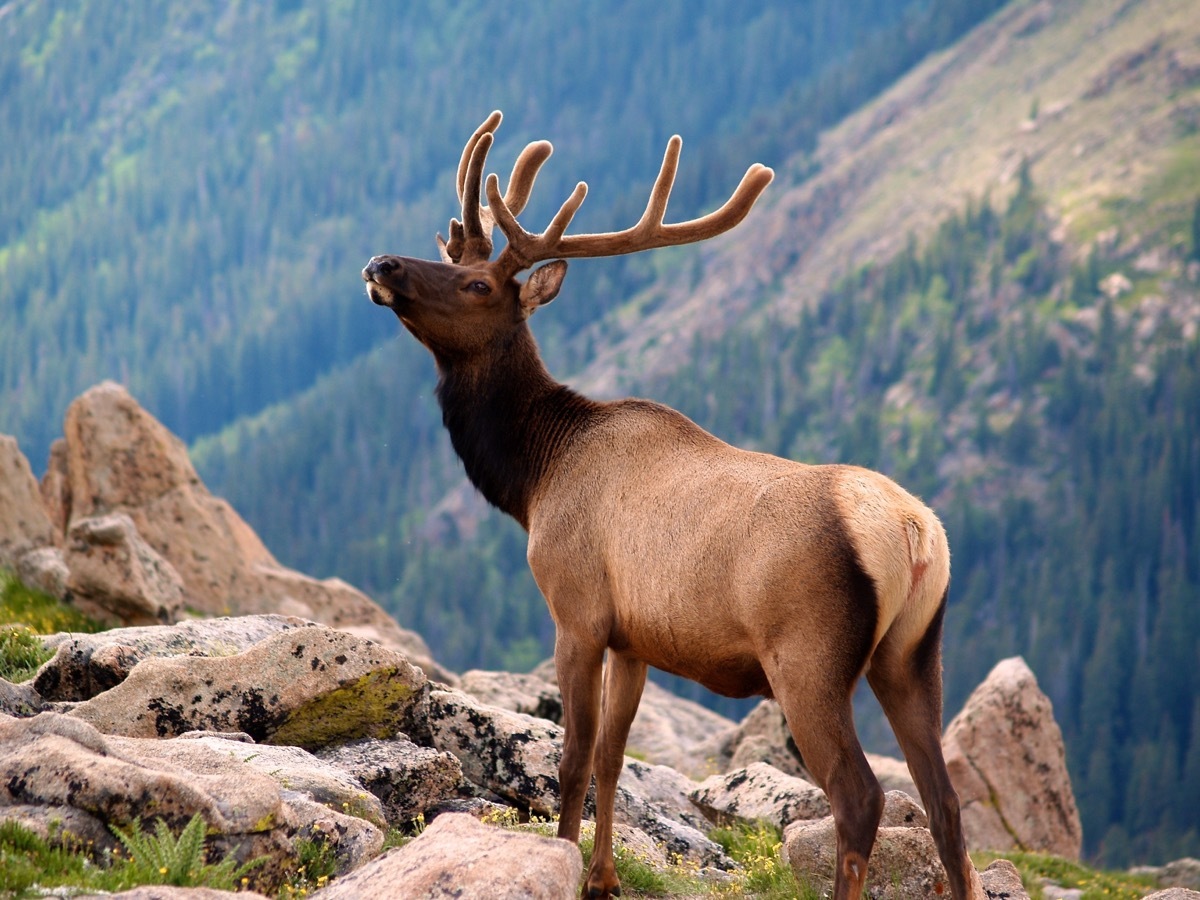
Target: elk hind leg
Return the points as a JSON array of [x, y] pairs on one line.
[[908, 684], [624, 679], [823, 728]]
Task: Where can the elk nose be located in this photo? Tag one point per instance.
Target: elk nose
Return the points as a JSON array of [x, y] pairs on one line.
[[380, 265]]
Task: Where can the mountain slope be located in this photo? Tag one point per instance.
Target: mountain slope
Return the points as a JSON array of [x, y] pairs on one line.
[[188, 216], [1097, 96]]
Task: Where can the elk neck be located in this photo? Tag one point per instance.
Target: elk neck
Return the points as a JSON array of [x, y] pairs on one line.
[[509, 420]]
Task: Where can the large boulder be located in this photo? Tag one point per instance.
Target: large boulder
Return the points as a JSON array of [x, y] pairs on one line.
[[55, 763], [85, 665], [457, 856], [904, 863], [1007, 761], [308, 687], [116, 457], [407, 779], [24, 525], [759, 793], [116, 578]]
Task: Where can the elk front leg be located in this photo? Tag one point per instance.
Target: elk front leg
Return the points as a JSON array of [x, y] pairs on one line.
[[624, 679], [579, 670]]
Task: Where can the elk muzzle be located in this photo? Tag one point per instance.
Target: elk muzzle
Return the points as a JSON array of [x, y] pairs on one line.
[[385, 277]]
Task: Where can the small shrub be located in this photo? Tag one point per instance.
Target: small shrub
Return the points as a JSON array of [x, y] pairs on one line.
[[765, 873], [316, 864], [180, 861]]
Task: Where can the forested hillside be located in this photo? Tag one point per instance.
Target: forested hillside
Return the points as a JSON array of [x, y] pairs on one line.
[[189, 189], [985, 282]]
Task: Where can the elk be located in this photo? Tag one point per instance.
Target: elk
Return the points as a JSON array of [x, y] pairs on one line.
[[657, 544]]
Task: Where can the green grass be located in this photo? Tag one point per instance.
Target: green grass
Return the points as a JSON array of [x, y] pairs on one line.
[[21, 653], [1095, 883], [40, 613], [29, 864]]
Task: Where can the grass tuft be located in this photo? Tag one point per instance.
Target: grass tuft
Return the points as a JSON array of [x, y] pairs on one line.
[[21, 653], [39, 612], [1095, 884]]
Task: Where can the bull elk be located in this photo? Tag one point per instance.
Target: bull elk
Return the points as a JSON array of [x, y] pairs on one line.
[[662, 545]]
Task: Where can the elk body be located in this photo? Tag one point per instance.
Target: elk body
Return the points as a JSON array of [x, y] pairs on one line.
[[660, 545]]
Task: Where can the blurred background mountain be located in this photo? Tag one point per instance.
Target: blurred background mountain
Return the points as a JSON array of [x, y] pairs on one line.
[[978, 271]]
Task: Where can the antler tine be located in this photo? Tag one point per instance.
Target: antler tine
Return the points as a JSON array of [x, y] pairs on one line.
[[471, 239], [477, 246], [524, 173], [525, 249], [656, 206], [489, 126]]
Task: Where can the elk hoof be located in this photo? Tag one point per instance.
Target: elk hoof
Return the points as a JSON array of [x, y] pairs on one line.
[[593, 892]]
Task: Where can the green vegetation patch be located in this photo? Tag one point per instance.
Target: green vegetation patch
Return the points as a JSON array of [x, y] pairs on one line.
[[21, 653], [370, 707], [39, 612], [30, 864], [1095, 883]]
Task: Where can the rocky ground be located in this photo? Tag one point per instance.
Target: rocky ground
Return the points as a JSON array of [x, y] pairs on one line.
[[285, 709]]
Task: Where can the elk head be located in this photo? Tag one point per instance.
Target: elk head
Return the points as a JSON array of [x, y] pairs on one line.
[[466, 302]]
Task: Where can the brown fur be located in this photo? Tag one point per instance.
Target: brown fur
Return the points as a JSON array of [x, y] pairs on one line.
[[659, 544]]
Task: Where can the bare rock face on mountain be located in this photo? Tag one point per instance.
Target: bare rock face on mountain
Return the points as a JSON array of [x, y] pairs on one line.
[[1007, 761], [117, 458]]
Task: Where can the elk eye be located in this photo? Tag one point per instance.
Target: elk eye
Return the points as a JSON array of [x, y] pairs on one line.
[[480, 287]]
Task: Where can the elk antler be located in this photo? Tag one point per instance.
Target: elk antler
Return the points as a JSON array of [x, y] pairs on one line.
[[525, 249], [471, 240]]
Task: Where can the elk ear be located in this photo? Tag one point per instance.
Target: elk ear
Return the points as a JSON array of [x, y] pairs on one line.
[[543, 285]]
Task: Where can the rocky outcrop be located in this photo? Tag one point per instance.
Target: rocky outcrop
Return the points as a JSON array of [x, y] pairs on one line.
[[667, 730], [54, 761], [24, 526], [116, 578], [172, 545], [759, 793], [258, 690], [407, 779], [308, 687], [904, 863], [1007, 761], [457, 856], [277, 729]]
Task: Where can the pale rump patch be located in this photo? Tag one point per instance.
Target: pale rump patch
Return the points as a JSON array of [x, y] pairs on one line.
[[901, 546]]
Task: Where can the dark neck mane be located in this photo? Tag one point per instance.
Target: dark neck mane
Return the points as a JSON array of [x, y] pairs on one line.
[[509, 420]]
